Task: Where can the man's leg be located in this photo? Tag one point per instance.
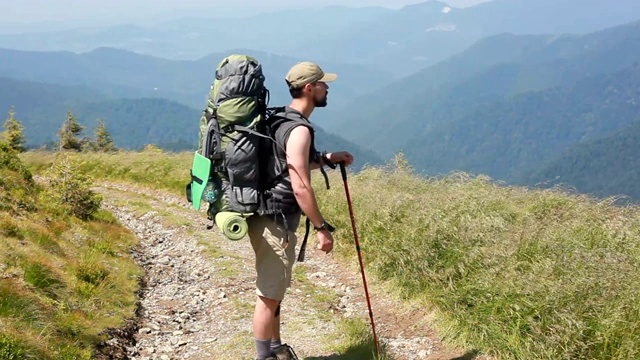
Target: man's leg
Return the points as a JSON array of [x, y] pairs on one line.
[[263, 323], [274, 262], [275, 334]]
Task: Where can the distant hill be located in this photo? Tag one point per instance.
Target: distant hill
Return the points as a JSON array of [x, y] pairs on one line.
[[133, 123], [120, 73], [399, 41], [608, 166], [511, 137], [400, 116]]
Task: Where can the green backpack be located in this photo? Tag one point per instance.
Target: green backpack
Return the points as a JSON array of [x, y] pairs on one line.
[[233, 169], [225, 170]]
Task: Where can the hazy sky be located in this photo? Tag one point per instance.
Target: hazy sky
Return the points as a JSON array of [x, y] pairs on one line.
[[63, 10]]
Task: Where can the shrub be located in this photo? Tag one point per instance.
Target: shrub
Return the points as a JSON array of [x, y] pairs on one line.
[[71, 189]]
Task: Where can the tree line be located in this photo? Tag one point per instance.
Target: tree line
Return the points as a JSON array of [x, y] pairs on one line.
[[69, 135]]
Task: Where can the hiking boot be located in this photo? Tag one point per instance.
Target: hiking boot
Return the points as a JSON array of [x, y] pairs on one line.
[[284, 352]]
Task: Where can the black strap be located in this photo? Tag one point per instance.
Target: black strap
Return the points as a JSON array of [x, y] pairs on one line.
[[303, 247], [246, 129], [196, 179], [326, 178]]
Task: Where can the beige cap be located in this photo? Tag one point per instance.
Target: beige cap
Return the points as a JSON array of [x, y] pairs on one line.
[[306, 72]]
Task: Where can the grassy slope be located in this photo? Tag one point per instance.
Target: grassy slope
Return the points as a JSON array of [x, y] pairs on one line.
[[518, 273], [63, 281]]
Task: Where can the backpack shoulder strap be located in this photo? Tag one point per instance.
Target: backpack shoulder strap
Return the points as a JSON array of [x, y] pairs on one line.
[[282, 122]]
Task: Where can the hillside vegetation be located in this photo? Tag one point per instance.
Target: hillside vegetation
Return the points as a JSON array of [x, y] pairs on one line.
[[518, 273], [605, 167], [66, 277]]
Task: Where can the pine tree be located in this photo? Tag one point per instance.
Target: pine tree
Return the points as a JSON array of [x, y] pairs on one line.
[[69, 133], [14, 132], [103, 140]]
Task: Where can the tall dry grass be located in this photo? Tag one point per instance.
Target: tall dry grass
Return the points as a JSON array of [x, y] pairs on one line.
[[522, 274]]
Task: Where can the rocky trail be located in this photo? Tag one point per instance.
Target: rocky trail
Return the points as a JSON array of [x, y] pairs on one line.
[[198, 293]]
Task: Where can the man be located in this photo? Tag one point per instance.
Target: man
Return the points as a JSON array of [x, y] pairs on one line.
[[273, 238]]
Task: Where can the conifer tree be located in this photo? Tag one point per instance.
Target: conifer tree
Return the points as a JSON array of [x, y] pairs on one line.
[[13, 133], [69, 133], [103, 140]]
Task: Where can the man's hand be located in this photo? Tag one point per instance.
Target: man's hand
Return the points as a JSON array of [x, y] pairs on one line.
[[325, 241], [340, 157]]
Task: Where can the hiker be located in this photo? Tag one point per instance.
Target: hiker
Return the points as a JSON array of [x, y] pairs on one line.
[[273, 238]]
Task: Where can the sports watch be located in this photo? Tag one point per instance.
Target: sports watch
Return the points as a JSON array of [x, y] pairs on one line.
[[325, 226]]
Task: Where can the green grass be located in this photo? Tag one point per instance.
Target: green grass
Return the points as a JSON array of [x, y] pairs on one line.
[[521, 274], [359, 342], [11, 348], [169, 171], [63, 280], [518, 273]]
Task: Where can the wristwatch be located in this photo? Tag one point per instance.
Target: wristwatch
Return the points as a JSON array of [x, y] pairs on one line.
[[325, 226]]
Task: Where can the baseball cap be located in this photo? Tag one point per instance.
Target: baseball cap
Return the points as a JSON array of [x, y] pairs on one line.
[[306, 72]]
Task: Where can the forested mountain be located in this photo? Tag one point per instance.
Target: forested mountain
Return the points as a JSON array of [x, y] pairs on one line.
[[609, 166], [511, 137], [401, 41], [133, 123], [122, 73], [401, 115]]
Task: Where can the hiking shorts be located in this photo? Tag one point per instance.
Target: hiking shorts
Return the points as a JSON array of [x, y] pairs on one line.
[[274, 256]]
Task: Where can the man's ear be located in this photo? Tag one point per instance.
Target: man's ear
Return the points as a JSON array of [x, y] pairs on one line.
[[308, 88]]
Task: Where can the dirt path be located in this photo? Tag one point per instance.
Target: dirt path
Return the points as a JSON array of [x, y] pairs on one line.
[[198, 297]]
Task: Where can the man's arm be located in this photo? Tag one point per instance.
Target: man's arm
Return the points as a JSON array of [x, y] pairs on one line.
[[334, 158], [298, 147], [317, 165]]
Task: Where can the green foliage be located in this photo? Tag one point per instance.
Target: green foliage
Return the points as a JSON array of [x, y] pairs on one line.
[[11, 348], [360, 342], [92, 273], [14, 304], [17, 188], [13, 133], [40, 276], [10, 161], [69, 132], [103, 140], [70, 189]]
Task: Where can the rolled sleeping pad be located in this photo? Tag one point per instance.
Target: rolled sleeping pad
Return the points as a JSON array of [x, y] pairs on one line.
[[233, 225]]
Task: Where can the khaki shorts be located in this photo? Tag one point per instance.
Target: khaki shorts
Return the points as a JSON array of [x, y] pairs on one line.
[[274, 257]]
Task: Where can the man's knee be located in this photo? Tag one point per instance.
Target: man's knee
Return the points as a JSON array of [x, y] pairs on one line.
[[271, 304]]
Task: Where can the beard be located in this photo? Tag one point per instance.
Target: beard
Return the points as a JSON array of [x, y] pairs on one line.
[[320, 102]]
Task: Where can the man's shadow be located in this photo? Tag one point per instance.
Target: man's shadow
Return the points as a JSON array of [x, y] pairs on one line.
[[364, 353]]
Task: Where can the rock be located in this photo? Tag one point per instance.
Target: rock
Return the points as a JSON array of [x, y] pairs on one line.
[[318, 275]]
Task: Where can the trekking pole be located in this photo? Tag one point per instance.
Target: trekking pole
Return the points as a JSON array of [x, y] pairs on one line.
[[355, 235]]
